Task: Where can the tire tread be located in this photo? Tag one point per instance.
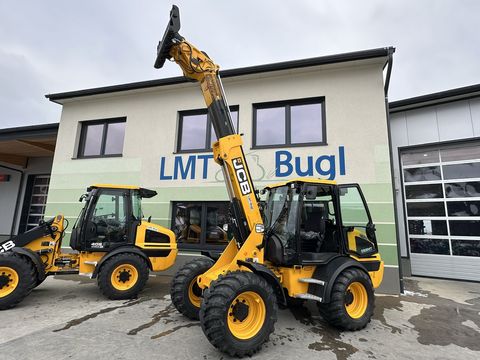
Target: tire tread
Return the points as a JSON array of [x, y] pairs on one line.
[[216, 299]]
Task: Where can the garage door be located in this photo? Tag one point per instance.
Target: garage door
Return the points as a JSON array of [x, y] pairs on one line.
[[442, 207]]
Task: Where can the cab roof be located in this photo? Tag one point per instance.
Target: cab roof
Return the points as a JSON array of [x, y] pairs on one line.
[[144, 193], [115, 186], [306, 180]]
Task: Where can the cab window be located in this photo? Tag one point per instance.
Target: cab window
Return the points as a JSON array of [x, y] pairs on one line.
[[352, 207], [108, 223]]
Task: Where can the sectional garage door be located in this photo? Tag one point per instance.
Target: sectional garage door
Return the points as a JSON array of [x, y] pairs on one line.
[[441, 188]]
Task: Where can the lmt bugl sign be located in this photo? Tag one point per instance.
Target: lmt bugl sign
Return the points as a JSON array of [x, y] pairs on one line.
[[285, 164]]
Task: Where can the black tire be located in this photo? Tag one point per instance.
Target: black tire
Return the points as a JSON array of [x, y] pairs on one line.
[[38, 281], [27, 277], [218, 308], [335, 312], [129, 262], [180, 288]]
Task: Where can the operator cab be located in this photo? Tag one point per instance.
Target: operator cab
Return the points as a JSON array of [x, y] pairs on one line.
[[310, 223], [109, 218]]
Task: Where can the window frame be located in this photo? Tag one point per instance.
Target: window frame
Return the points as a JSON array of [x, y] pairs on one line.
[[83, 137], [204, 111], [202, 245], [287, 104]]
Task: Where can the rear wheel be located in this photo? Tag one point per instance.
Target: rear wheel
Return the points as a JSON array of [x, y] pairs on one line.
[[352, 301], [238, 313], [17, 279], [123, 276], [185, 293]]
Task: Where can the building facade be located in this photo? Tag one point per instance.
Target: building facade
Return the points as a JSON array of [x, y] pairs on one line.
[[323, 117], [436, 146]]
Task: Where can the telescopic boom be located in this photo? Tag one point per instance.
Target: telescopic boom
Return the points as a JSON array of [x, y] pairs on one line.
[[246, 222]]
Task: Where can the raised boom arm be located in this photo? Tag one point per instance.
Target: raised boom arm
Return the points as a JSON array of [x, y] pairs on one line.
[[228, 151]]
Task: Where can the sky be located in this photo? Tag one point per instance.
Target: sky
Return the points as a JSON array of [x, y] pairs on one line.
[[58, 45]]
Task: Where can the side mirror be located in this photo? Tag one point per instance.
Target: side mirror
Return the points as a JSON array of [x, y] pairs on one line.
[[150, 218], [311, 192], [83, 197]]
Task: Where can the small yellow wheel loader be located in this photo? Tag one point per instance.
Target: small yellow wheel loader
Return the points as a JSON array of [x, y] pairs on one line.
[[111, 242], [315, 240]]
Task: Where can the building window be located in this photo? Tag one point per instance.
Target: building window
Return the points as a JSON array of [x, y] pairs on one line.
[[289, 123], [102, 138], [195, 130], [201, 225]]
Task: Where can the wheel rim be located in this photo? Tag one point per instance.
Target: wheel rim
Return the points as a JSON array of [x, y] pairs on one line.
[[8, 281], [124, 277], [356, 300], [246, 315], [194, 293]]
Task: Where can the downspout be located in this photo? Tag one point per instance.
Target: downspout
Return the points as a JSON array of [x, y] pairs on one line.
[[17, 204], [389, 66]]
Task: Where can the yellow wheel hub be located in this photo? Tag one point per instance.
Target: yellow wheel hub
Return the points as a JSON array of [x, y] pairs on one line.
[[8, 281], [356, 300], [194, 292], [246, 315], [124, 277]]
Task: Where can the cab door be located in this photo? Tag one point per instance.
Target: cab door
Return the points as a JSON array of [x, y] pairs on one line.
[[107, 222], [356, 222]]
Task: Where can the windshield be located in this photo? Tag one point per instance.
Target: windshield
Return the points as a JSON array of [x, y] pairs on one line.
[[85, 197], [274, 204], [281, 213], [137, 206]]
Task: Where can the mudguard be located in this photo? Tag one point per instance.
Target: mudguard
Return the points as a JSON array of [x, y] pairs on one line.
[[329, 273], [120, 250], [35, 258], [268, 275]]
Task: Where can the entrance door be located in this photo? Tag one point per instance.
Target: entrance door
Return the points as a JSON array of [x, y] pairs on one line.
[[442, 207]]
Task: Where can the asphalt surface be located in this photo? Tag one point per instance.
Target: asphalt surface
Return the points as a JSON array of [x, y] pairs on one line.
[[67, 318]]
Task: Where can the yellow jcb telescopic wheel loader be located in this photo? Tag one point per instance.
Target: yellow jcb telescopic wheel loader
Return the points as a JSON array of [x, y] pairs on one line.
[[315, 241], [111, 243]]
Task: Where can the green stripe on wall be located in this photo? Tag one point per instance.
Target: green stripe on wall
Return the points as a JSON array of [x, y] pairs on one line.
[[377, 192], [67, 188], [389, 254], [386, 233], [382, 212]]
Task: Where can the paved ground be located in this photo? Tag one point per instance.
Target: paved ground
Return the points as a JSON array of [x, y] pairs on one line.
[[67, 318]]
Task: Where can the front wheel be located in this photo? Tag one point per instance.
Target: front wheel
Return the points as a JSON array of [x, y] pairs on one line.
[[123, 276], [352, 301], [238, 313], [17, 279]]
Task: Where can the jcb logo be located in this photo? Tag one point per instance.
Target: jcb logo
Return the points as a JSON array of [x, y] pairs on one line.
[[7, 246], [241, 176]]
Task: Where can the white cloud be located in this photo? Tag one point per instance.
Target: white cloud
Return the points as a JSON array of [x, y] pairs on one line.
[[57, 46]]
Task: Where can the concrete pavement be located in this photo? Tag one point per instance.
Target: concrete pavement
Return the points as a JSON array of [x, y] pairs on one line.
[[67, 318]]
